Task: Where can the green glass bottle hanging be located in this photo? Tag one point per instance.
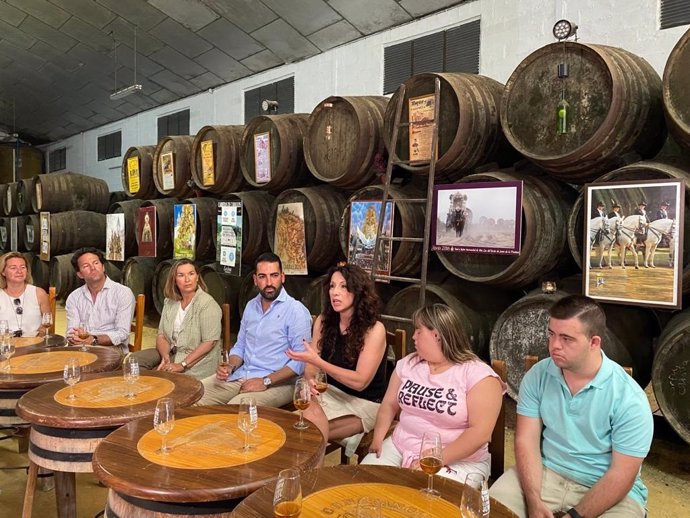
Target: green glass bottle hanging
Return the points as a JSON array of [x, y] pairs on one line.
[[562, 117]]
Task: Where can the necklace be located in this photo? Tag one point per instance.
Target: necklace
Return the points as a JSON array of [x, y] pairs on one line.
[[18, 309]]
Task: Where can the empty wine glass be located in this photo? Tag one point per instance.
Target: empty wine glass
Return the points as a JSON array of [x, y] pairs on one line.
[[83, 333], [164, 421], [321, 385], [130, 371], [300, 398], [72, 375], [474, 494], [247, 419], [287, 497], [7, 349], [431, 459], [4, 328], [46, 322]]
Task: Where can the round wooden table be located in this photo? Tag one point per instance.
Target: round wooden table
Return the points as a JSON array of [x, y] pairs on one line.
[[205, 473], [334, 491], [65, 433], [33, 365]]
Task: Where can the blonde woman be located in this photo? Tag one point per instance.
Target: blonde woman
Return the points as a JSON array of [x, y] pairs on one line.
[[21, 303]]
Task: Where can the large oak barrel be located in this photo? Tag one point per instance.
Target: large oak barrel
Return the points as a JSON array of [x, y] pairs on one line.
[[25, 190], [173, 177], [160, 276], [628, 200], [40, 272], [140, 186], [206, 224], [227, 172], [408, 221], [9, 200], [59, 192], [343, 144], [545, 208], [615, 109], [469, 132], [3, 195], [323, 206], [76, 229], [286, 165], [675, 94], [32, 233], [137, 275], [129, 208], [164, 225], [256, 213], [5, 234], [522, 331], [63, 276], [670, 373], [224, 289]]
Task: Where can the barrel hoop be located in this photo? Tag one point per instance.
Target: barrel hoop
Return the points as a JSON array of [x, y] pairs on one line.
[[69, 433], [182, 509], [59, 456]]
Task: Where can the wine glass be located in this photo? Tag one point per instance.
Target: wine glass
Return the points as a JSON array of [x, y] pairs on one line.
[[368, 507], [287, 497], [321, 385], [83, 333], [247, 419], [72, 375], [4, 328], [130, 371], [472, 504], [7, 349], [164, 421], [300, 398], [431, 459], [46, 322]]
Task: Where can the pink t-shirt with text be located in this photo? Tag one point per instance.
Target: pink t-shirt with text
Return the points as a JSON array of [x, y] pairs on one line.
[[435, 402]]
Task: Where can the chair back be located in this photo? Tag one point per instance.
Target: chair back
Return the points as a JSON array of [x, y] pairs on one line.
[[226, 326], [53, 307], [497, 445], [137, 326], [396, 342]]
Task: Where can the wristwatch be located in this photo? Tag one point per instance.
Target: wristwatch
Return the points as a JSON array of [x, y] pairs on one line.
[[267, 381], [184, 365], [573, 513], [95, 340]]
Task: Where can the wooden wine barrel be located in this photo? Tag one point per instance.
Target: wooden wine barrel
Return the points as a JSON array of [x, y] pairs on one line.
[[9, 201], [18, 221], [129, 209], [676, 102], [137, 275], [5, 234], [522, 331], [343, 144], [164, 225], [76, 229], [323, 206], [60, 192], [670, 373], [113, 269], [63, 276], [625, 116], [628, 200], [32, 233], [40, 272], [476, 306], [3, 195], [146, 188], [545, 208], [177, 185], [160, 276], [469, 132], [287, 167], [224, 289], [117, 197], [256, 214], [408, 221], [25, 189], [206, 225], [227, 172]]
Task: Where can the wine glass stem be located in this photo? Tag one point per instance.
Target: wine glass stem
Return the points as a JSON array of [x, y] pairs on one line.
[[71, 392], [246, 441], [430, 485], [164, 444], [301, 418]]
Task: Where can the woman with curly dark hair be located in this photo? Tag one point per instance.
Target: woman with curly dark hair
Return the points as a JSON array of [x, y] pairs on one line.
[[350, 348]]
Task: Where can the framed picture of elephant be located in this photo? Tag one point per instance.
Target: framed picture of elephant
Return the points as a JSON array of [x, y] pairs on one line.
[[478, 218], [633, 242]]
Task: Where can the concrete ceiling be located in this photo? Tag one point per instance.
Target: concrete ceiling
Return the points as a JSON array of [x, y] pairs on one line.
[[59, 58]]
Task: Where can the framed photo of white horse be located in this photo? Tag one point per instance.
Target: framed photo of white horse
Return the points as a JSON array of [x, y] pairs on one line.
[[633, 242], [478, 217]]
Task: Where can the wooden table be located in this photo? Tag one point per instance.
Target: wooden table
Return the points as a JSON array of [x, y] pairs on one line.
[[205, 474], [334, 491], [33, 365], [64, 433]]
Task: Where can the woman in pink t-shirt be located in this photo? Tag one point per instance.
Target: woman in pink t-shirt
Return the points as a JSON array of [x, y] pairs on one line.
[[443, 387]]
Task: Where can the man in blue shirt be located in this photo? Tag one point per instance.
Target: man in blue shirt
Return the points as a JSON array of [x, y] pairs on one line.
[[584, 427], [272, 323]]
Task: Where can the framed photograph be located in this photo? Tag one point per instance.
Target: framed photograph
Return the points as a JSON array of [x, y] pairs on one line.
[[633, 242], [478, 218]]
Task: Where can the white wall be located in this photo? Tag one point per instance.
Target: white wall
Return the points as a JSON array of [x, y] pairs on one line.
[[510, 30]]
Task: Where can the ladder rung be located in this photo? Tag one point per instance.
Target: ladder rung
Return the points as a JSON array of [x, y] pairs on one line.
[[396, 319], [411, 280], [417, 123], [412, 162], [402, 238], [406, 200]]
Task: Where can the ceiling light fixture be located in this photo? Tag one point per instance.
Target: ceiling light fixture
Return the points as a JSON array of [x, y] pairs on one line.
[[133, 88]]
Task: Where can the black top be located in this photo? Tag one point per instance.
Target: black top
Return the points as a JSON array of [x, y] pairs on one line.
[[376, 389]]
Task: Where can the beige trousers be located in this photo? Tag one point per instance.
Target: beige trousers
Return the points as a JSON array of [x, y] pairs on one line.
[[218, 392]]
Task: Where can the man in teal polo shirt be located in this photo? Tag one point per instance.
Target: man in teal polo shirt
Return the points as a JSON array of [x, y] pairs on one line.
[[584, 426]]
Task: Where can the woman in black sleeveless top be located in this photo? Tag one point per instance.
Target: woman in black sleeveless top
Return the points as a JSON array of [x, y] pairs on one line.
[[349, 346]]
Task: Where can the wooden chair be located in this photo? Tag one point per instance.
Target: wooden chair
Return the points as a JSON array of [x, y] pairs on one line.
[[498, 436], [138, 324], [52, 294], [226, 327]]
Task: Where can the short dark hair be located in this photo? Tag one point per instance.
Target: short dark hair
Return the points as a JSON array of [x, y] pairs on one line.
[[86, 250], [585, 309], [268, 257]]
